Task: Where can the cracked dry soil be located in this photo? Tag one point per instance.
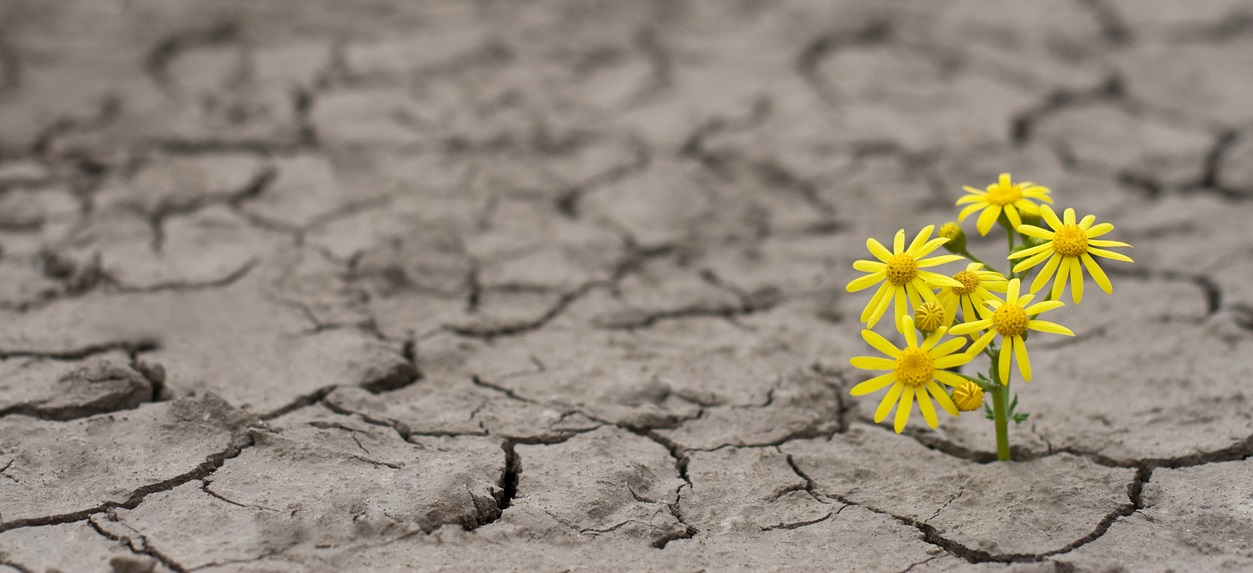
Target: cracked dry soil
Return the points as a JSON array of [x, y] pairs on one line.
[[556, 285]]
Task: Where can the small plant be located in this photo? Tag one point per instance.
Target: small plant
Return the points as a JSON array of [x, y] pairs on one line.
[[997, 327]]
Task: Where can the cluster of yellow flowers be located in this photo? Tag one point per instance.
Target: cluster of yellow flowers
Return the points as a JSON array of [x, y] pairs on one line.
[[921, 372]]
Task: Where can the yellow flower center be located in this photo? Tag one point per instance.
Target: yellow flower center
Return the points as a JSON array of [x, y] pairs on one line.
[[1009, 320], [969, 281], [914, 367], [902, 268], [1004, 194], [1070, 241], [950, 230], [968, 397], [929, 316]]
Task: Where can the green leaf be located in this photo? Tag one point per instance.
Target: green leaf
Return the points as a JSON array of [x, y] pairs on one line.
[[1021, 417], [987, 412]]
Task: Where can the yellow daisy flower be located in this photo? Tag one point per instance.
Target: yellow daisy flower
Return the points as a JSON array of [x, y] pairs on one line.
[[1004, 195], [977, 286], [1011, 318], [1066, 245], [900, 271], [929, 316], [968, 396], [914, 372]]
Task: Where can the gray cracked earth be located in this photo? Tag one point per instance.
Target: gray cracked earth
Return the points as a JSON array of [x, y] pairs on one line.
[[558, 285]]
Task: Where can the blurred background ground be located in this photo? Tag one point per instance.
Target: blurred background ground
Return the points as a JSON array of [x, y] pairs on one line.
[[495, 285]]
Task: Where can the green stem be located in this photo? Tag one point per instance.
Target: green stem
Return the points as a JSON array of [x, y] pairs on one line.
[[1000, 410]]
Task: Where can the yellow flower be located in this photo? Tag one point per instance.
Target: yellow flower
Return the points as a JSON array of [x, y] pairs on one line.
[[1066, 245], [900, 272], [968, 396], [913, 373], [1004, 195], [976, 288], [1011, 318], [929, 316], [952, 231]]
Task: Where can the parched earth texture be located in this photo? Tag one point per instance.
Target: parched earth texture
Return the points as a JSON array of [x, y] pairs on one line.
[[500, 285]]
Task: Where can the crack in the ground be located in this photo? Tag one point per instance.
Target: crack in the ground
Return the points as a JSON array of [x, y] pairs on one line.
[[1113, 27], [933, 536], [158, 61], [169, 210], [756, 302], [1022, 126], [799, 524], [135, 346], [628, 264], [188, 286], [810, 59], [568, 201], [238, 443], [141, 548]]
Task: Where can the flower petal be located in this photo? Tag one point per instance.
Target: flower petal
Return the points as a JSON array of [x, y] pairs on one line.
[[1011, 294], [1076, 279], [928, 410], [1098, 274], [977, 346], [1024, 362], [1035, 260], [941, 398], [949, 347], [863, 283], [900, 311], [971, 209], [1104, 243], [869, 266], [1002, 365], [889, 400], [868, 313], [1016, 254], [920, 239], [878, 250], [1043, 307], [1012, 214], [1110, 255], [953, 360], [873, 385], [940, 260], [1050, 327], [933, 338], [1045, 273], [903, 408], [949, 378], [880, 343], [938, 280], [911, 334], [1059, 284], [889, 293], [898, 242], [970, 326], [988, 218], [1098, 230], [1050, 217], [1069, 216], [873, 363], [1037, 232]]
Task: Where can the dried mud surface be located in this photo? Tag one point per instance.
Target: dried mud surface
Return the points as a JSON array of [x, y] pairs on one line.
[[557, 285]]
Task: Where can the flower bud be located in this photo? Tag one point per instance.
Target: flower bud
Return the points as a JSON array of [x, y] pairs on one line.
[[968, 396], [928, 316], [956, 237]]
